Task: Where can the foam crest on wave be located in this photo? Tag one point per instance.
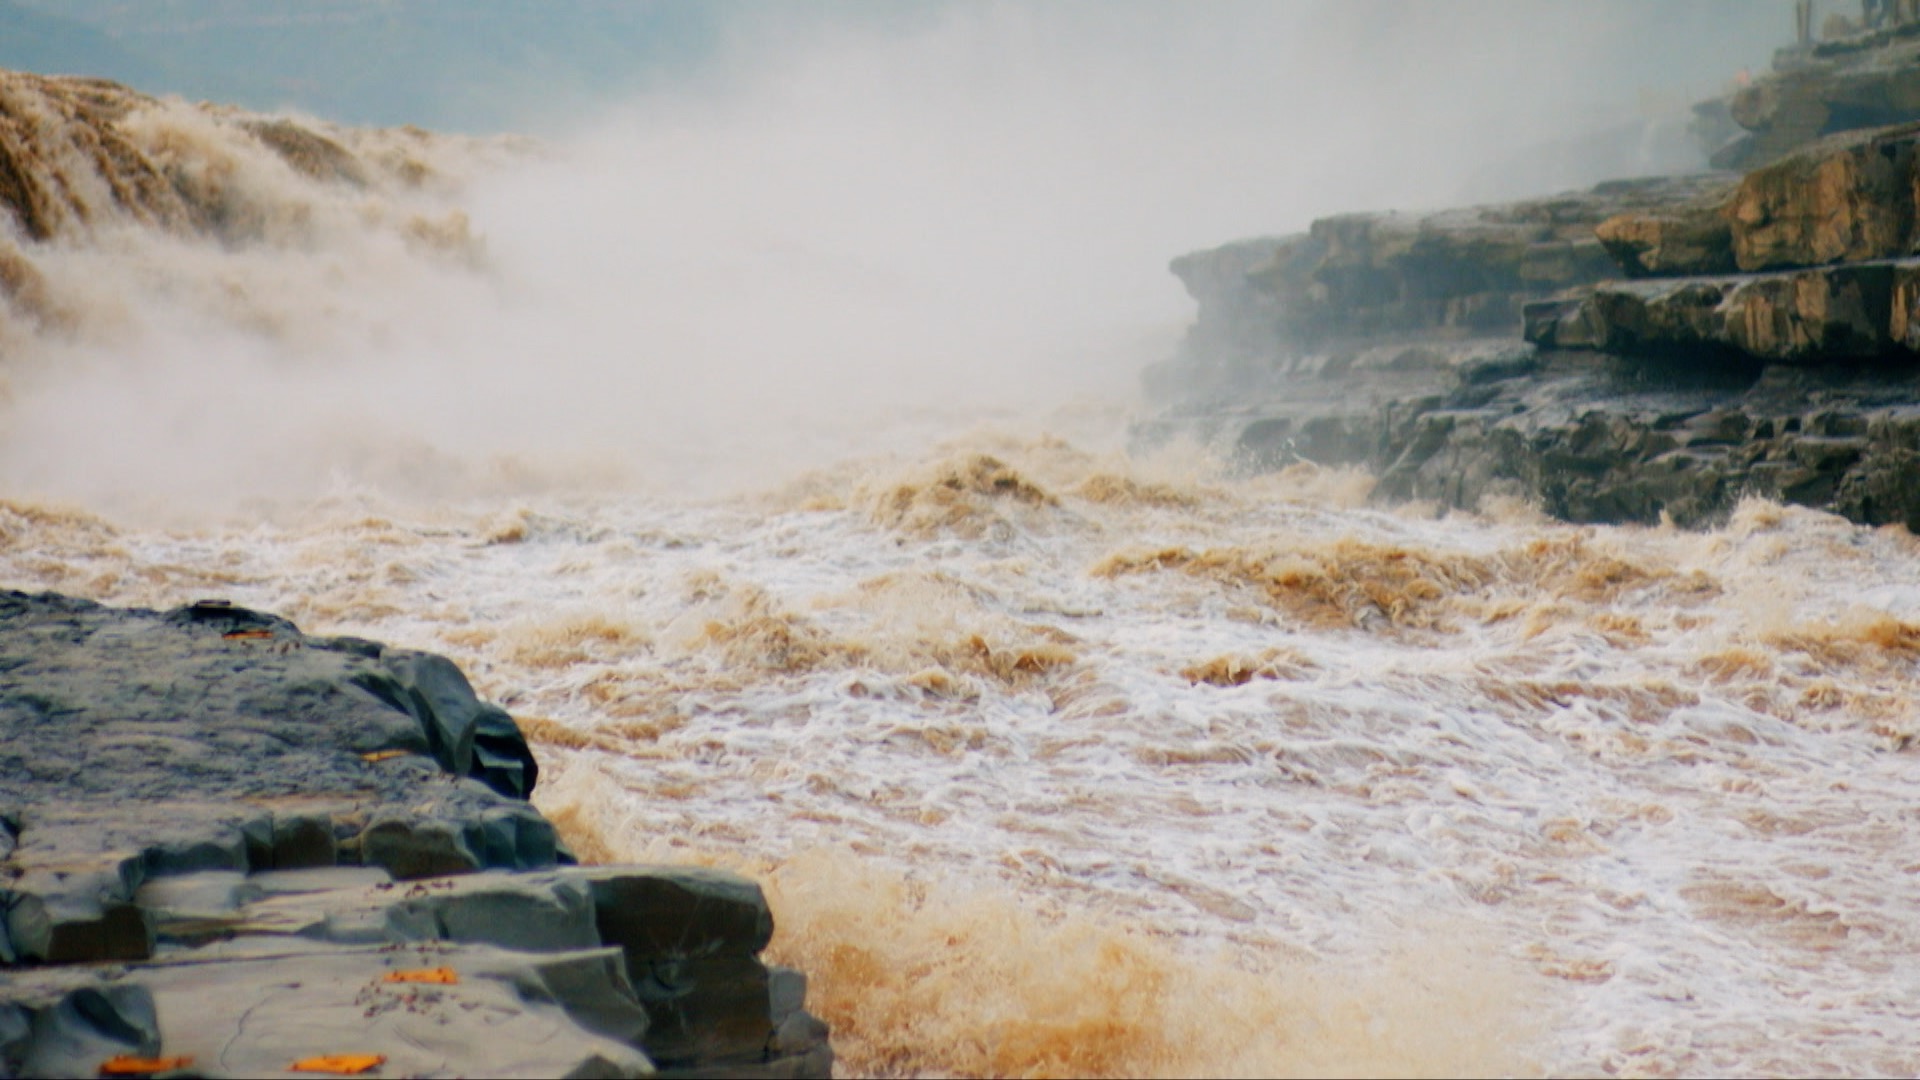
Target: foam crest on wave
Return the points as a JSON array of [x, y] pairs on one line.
[[922, 975]]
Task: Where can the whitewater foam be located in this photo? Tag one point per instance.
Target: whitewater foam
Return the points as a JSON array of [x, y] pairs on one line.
[[1055, 760], [1027, 813]]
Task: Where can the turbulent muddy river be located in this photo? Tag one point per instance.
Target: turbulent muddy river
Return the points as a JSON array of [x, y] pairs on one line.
[[1055, 760], [1059, 762]]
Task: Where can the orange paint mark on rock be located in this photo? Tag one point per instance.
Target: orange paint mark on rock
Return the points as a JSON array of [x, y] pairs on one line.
[[339, 1064], [129, 1065], [440, 976]]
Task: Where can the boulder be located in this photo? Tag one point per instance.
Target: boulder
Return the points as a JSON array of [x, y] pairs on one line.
[[67, 1025], [1849, 198], [233, 842], [1594, 437], [1685, 239], [1864, 80], [691, 937]]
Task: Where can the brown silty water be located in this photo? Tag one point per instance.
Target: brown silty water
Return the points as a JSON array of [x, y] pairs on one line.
[[1054, 760]]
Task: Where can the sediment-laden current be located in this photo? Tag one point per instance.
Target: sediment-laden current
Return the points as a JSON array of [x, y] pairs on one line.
[[1054, 760], [1056, 764]]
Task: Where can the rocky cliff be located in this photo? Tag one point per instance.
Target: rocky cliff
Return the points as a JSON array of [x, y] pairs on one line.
[[230, 848], [1645, 349], [1373, 278], [1855, 81]]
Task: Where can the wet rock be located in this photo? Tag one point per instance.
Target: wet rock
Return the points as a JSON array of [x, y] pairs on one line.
[[67, 1026], [708, 1009], [1759, 336], [1689, 238], [1864, 80], [546, 912], [300, 841], [500, 1014], [680, 912], [1589, 437], [414, 848], [1845, 199], [60, 918], [250, 745], [683, 942], [245, 832], [1361, 281], [691, 937], [1816, 316], [68, 892]]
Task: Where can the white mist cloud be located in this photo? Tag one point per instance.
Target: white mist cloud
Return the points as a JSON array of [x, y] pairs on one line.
[[849, 239]]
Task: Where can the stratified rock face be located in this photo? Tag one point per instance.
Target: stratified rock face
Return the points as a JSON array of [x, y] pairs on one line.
[[1689, 238], [1758, 336], [1845, 199], [1848, 198], [208, 821], [1816, 316], [1824, 237], [1591, 438], [1366, 278], [1863, 81]]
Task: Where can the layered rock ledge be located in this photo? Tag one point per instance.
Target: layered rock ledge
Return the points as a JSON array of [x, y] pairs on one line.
[[227, 847], [1644, 350], [1864, 79]]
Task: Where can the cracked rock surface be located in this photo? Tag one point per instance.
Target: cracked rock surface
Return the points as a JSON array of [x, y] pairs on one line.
[[225, 840], [1647, 350]]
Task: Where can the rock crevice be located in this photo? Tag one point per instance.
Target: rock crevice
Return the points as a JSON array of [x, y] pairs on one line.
[[226, 840]]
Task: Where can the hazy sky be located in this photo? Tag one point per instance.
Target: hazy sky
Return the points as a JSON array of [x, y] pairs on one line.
[[832, 226], [486, 64]]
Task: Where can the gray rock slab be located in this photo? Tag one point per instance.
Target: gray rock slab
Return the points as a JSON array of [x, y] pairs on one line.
[[137, 745], [67, 1023], [77, 910], [219, 837], [509, 1014], [691, 936], [672, 912], [217, 703], [318, 879], [707, 1009]]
